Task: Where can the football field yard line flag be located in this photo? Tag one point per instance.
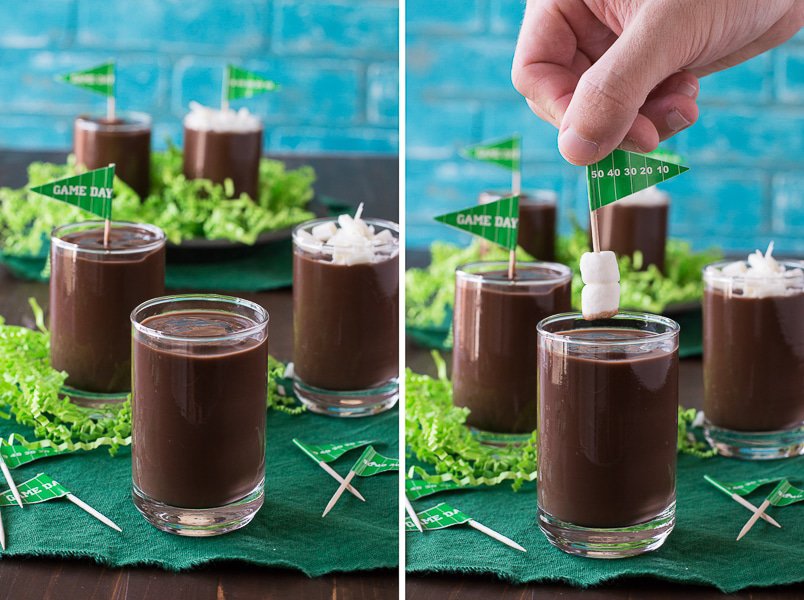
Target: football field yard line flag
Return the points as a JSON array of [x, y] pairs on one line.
[[506, 153], [91, 191], [497, 221], [240, 83], [101, 80]]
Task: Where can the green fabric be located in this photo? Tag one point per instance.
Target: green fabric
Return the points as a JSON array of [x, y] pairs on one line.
[[690, 340], [287, 532], [265, 267], [701, 550]]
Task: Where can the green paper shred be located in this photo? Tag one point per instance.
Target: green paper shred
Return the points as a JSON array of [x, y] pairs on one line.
[[436, 434], [184, 209], [29, 393], [430, 292]]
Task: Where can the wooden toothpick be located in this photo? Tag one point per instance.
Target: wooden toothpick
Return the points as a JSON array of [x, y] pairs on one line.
[[413, 516], [338, 493], [349, 488], [2, 533], [754, 509], [595, 233], [10, 481], [100, 517], [754, 518], [497, 536]]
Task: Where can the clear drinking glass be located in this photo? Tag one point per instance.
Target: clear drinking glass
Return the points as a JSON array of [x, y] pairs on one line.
[[494, 358], [346, 326], [93, 290], [608, 412], [200, 372], [754, 363]]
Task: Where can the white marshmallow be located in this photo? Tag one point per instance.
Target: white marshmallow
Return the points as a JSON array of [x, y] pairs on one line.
[[324, 231], [204, 118], [759, 276], [351, 241], [600, 300], [599, 267]]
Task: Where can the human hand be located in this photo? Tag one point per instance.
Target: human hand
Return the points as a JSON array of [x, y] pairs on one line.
[[624, 73]]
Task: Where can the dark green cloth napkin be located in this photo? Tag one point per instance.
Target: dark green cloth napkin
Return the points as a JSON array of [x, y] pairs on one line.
[[287, 532], [701, 550], [264, 267]]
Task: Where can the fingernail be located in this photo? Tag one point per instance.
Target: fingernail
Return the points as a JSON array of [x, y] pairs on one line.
[[676, 121], [577, 148], [687, 89], [631, 146]]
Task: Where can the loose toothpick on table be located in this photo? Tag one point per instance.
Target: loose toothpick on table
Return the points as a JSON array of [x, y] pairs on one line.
[[754, 518], [10, 481], [754, 509], [413, 516], [497, 536], [99, 516], [350, 488], [2, 533], [338, 493]]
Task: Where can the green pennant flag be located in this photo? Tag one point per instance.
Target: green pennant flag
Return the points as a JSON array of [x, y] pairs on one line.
[[91, 191], [100, 79], [329, 452], [505, 153], [418, 488], [372, 462], [622, 173], [785, 494], [438, 517], [246, 84], [741, 488], [39, 489], [497, 221], [14, 455]]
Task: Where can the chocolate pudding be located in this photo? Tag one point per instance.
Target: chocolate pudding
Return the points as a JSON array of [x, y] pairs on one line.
[[198, 408], [754, 361], [638, 222], [345, 322], [607, 427], [220, 155], [124, 141], [93, 290], [494, 358], [537, 221]]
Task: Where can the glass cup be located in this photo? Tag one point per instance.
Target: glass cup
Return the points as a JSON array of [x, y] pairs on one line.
[[608, 419], [346, 326], [93, 289], [200, 371], [124, 141], [494, 358], [754, 363]]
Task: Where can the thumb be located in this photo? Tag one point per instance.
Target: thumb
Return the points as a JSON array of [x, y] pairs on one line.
[[604, 110]]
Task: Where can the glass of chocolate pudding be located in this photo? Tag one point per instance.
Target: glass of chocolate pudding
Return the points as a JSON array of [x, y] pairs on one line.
[[124, 141], [753, 335], [608, 413], [494, 356], [346, 321], [537, 221], [200, 372], [93, 289], [636, 223], [223, 144]]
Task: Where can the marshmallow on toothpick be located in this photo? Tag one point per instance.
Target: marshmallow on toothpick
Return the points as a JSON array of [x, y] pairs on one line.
[[600, 297]]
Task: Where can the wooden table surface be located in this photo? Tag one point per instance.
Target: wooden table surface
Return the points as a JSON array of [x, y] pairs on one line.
[[372, 180]]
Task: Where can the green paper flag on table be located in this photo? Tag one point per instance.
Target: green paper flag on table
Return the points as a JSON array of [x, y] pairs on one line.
[[741, 488], [329, 452], [785, 494], [241, 83], [372, 462], [438, 517], [623, 173], [100, 79], [91, 191], [418, 488], [497, 221], [14, 456], [504, 153], [38, 489]]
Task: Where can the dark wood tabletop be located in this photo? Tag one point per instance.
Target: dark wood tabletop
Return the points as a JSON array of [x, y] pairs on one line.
[[352, 179]]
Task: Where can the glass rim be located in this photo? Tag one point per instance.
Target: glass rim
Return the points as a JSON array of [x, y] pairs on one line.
[[137, 121], [462, 272], [259, 326], [710, 276], [56, 241], [673, 328]]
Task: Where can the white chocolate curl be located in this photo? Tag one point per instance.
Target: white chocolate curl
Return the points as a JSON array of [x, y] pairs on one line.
[[204, 118], [350, 242], [600, 296], [599, 267], [760, 276]]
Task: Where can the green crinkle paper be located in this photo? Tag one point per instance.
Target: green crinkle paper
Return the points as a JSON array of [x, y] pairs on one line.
[[184, 209], [29, 393], [436, 434], [430, 292]]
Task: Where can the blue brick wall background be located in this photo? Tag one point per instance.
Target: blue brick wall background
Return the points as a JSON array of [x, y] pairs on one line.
[[746, 185], [335, 59]]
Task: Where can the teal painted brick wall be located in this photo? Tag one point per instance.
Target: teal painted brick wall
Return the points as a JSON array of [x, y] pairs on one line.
[[746, 152], [335, 59]]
